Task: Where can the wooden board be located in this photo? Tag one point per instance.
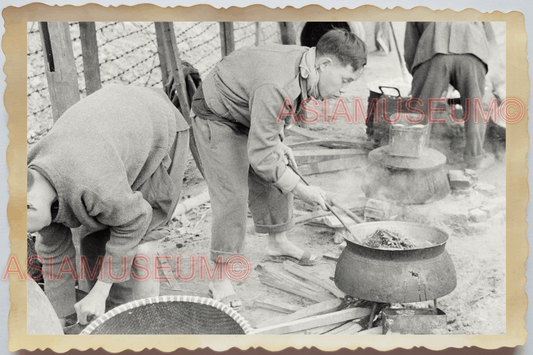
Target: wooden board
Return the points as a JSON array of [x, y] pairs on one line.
[[315, 321], [277, 306], [290, 288], [89, 50], [285, 278], [313, 310], [347, 328], [310, 156], [333, 165], [300, 272], [60, 66]]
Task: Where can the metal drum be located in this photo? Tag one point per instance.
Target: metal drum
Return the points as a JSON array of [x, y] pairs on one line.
[[397, 276]]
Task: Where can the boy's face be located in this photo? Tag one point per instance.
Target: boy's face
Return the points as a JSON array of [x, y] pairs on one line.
[[334, 77], [39, 215]]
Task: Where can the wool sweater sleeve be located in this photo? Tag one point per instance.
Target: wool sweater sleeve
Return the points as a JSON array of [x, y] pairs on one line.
[[264, 144], [54, 245], [128, 216]]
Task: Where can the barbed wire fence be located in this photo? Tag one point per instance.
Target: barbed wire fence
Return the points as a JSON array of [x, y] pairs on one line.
[[128, 55]]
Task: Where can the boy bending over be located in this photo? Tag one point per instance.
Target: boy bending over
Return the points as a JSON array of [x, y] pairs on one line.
[[113, 166]]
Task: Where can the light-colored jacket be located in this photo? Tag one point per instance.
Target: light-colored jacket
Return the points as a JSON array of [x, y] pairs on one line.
[[250, 86]]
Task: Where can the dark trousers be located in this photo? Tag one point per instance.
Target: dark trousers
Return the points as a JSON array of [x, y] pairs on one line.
[[92, 246], [234, 186], [466, 73]]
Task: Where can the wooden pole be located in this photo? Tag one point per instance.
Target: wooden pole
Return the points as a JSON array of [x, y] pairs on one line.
[[60, 66], [257, 33], [173, 66], [227, 38], [162, 52], [288, 35], [89, 51]]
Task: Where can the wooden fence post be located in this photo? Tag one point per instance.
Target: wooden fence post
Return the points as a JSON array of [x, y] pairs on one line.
[[60, 66], [171, 64], [162, 53], [174, 65], [89, 51], [227, 39], [257, 33], [288, 35]]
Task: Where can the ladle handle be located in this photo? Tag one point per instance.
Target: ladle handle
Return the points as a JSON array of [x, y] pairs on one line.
[[349, 213], [328, 206]]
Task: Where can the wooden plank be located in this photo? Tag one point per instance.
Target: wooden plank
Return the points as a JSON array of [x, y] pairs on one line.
[[257, 33], [282, 277], [313, 310], [334, 144], [371, 331], [345, 209], [310, 216], [60, 67], [170, 58], [175, 67], [311, 156], [332, 165], [277, 306], [300, 272], [315, 321], [358, 204], [330, 256], [162, 53], [288, 34], [323, 329], [348, 328], [327, 152], [89, 51], [305, 133], [227, 38], [290, 288]]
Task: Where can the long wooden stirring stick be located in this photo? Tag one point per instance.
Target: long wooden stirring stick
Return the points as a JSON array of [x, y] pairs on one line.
[[330, 208]]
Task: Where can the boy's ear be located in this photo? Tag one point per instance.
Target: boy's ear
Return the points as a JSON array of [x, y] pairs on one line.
[[324, 62]]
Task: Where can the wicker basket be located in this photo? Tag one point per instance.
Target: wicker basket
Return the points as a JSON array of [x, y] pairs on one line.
[[170, 315]]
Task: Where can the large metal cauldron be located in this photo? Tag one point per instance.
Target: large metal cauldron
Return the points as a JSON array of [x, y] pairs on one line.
[[397, 276]]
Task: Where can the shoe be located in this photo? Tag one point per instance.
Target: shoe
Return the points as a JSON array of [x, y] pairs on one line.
[[305, 260], [482, 162]]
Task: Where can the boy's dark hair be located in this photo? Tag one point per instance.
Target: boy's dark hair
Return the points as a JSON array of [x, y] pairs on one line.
[[31, 180], [344, 45]]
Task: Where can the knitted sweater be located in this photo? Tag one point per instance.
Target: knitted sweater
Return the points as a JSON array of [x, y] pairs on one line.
[[106, 157]]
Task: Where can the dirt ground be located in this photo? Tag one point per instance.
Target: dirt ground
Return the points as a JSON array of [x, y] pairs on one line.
[[478, 303]]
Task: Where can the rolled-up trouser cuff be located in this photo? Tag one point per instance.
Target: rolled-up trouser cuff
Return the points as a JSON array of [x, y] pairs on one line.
[[215, 254], [278, 228]]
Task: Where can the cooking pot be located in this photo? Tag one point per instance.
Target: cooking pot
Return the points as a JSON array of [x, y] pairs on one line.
[[423, 273]]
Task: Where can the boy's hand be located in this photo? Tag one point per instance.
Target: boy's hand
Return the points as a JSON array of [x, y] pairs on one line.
[[94, 303], [313, 195], [288, 155]]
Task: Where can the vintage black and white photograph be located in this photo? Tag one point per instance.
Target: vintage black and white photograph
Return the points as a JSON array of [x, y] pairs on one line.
[[302, 178]]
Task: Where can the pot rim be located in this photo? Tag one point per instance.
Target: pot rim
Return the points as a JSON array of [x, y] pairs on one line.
[[445, 234]]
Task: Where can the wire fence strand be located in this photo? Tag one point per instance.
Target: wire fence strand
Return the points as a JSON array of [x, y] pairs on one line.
[[127, 53]]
